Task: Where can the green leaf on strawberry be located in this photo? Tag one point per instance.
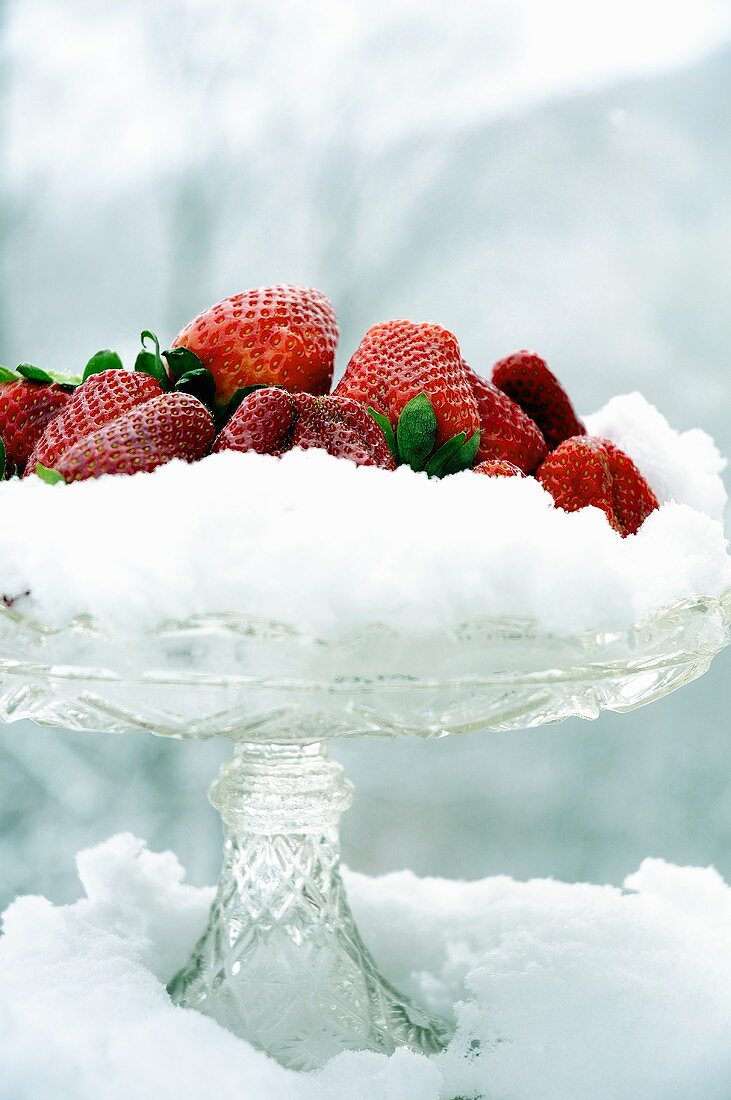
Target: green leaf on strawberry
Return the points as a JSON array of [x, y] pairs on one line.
[[28, 373], [385, 425], [414, 441], [182, 361], [465, 457], [51, 477], [150, 362], [416, 432], [200, 383], [34, 374], [101, 361], [439, 463]]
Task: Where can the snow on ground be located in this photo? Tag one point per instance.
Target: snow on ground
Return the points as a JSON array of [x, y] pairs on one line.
[[328, 547], [575, 992]]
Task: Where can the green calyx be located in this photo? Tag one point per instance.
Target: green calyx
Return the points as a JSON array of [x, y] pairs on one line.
[[26, 372], [414, 441], [102, 360], [51, 477], [182, 370]]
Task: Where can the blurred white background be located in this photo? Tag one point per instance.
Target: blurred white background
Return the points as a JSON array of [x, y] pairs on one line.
[[545, 173]]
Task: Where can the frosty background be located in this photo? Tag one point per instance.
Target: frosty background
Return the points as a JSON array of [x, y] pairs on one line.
[[528, 173]]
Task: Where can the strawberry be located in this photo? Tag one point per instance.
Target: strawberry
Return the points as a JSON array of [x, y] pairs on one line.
[[633, 498], [272, 421], [99, 400], [341, 427], [498, 467], [263, 422], [506, 431], [412, 378], [273, 336], [26, 408], [171, 425], [584, 471], [525, 377], [397, 360], [577, 475]]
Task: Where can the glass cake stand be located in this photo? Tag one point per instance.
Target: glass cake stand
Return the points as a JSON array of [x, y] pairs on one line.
[[281, 962]]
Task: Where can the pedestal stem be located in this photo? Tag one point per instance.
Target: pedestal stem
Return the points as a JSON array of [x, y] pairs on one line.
[[281, 962]]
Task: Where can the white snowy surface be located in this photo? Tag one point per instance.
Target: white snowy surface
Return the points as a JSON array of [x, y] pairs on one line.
[[575, 992], [328, 547]]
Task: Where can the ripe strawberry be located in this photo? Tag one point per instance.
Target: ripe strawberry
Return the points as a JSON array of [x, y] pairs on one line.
[[272, 421], [498, 467], [525, 377], [577, 475], [399, 360], [171, 425], [25, 410], [98, 401], [507, 432], [263, 423], [633, 498], [585, 471], [341, 427], [273, 336]]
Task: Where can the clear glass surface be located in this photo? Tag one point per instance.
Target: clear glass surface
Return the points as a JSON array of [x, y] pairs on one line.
[[281, 962], [230, 676]]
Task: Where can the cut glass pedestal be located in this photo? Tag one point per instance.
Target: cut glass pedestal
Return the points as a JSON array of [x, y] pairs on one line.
[[281, 962]]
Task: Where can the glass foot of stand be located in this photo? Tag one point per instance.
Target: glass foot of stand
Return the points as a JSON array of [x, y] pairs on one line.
[[281, 963]]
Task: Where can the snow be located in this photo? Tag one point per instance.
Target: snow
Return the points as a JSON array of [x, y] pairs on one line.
[[573, 991], [328, 547]]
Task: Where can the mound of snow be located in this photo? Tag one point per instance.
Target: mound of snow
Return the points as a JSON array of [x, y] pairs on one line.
[[327, 547], [573, 992]]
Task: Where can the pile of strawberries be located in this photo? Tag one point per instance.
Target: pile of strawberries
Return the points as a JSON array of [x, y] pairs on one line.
[[254, 372]]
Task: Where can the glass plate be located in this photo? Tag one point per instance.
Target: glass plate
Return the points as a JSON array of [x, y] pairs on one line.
[[281, 962]]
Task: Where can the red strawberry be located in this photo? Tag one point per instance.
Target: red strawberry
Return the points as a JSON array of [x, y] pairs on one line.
[[399, 360], [633, 498], [273, 336], [577, 475], [25, 410], [263, 422], [341, 427], [525, 377], [498, 467], [101, 399], [507, 432], [272, 421], [585, 471], [172, 425]]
